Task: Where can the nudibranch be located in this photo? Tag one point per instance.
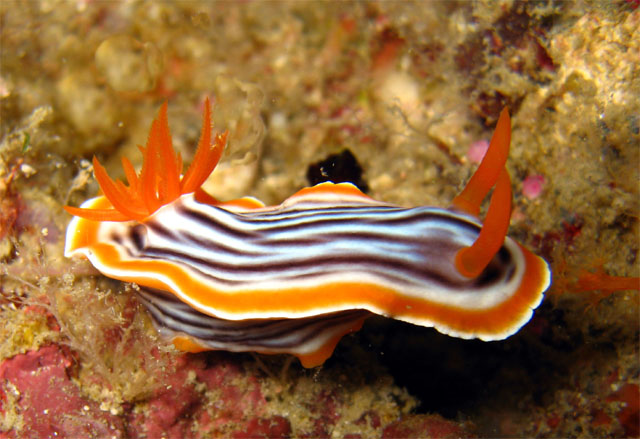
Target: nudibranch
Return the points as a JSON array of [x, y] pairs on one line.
[[295, 278]]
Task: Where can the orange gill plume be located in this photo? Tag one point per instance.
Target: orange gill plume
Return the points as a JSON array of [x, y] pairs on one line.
[[159, 182]]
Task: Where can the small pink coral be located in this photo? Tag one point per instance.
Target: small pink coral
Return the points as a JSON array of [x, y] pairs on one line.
[[532, 186], [477, 150]]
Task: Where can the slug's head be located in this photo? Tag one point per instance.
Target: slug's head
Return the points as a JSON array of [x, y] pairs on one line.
[[160, 181]]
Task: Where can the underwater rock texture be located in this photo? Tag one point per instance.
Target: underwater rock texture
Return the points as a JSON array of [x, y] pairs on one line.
[[408, 88], [40, 400]]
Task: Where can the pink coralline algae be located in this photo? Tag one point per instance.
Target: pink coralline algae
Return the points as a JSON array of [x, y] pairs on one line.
[[203, 395], [532, 186], [477, 150], [39, 400], [273, 428], [37, 393], [425, 426], [219, 398]]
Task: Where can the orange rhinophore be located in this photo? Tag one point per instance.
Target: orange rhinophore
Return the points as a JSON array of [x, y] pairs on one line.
[[470, 261]]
